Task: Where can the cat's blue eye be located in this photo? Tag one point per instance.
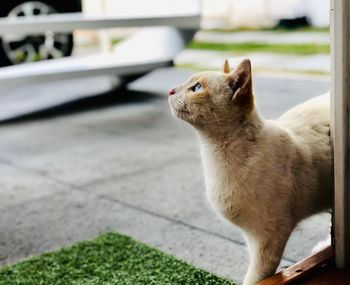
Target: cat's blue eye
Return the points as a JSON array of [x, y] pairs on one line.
[[197, 87]]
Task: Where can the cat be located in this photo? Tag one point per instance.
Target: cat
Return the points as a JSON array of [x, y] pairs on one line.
[[261, 175]]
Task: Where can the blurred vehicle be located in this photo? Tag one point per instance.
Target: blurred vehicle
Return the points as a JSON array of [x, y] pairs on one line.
[[16, 49]]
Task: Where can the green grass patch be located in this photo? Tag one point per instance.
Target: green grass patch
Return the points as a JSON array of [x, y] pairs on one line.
[[198, 68], [111, 259], [116, 41], [242, 48]]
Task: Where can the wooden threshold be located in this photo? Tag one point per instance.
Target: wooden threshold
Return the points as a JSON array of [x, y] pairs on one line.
[[318, 269]]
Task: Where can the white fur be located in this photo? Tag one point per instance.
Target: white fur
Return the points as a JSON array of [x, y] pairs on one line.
[[264, 176], [271, 177]]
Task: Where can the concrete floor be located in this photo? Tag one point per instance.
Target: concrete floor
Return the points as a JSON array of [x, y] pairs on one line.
[[129, 166]]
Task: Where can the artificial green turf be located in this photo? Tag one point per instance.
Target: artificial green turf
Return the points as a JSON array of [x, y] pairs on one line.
[[242, 48], [111, 259]]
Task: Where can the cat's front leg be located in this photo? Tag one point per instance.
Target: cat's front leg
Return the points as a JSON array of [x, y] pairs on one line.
[[265, 255]]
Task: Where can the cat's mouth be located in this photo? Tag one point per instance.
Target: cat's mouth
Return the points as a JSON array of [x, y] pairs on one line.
[[182, 113], [179, 109]]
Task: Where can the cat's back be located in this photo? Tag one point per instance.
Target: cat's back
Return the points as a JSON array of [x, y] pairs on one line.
[[312, 116], [308, 126]]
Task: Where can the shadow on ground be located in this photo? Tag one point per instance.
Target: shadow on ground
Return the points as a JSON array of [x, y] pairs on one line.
[[114, 97]]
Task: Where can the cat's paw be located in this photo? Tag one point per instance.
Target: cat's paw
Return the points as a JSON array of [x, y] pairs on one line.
[[321, 245]]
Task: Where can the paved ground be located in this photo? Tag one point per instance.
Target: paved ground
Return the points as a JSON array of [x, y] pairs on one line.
[[131, 167]]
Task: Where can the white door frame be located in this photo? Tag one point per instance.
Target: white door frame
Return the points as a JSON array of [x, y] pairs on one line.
[[340, 99]]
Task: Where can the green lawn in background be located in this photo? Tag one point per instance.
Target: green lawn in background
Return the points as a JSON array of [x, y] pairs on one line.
[[111, 259], [277, 30], [249, 47]]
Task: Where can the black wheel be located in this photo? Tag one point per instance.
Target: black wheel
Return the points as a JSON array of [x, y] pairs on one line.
[[16, 49]]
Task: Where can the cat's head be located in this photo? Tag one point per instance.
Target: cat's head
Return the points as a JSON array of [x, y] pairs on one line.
[[210, 99]]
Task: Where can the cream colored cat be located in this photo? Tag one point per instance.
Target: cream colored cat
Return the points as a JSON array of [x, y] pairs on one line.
[[264, 176]]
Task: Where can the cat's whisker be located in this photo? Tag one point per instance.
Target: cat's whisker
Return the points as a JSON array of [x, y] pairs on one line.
[[216, 117]]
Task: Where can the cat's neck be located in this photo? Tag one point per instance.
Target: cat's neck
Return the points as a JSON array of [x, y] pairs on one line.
[[232, 146], [243, 130]]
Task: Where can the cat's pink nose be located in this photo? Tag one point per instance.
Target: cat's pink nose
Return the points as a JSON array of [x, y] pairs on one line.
[[172, 91]]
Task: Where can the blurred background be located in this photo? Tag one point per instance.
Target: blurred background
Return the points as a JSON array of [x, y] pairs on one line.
[[239, 20], [87, 141]]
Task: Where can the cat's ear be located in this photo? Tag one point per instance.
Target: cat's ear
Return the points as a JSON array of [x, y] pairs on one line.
[[227, 68], [242, 84]]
